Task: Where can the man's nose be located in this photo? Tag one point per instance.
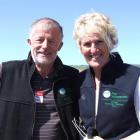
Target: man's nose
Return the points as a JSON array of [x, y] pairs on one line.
[[45, 44]]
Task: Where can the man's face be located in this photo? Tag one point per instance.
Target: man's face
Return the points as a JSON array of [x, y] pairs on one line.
[[45, 42]]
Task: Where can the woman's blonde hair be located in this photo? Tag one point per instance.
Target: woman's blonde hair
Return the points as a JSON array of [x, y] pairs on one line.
[[96, 23]]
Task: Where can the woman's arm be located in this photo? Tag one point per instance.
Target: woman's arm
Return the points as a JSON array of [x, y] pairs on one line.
[[136, 135]]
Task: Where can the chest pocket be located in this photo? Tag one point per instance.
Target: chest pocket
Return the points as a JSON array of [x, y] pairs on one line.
[[64, 92]]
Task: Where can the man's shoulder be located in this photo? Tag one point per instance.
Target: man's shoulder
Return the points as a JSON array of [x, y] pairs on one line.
[[13, 64]]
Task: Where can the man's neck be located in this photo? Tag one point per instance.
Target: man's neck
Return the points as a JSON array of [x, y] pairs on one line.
[[45, 70]]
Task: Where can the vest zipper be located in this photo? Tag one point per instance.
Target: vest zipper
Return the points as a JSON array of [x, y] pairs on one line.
[[34, 103], [97, 92], [58, 111], [95, 122]]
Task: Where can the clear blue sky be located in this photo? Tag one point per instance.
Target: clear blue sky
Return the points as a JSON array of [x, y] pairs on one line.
[[17, 15]]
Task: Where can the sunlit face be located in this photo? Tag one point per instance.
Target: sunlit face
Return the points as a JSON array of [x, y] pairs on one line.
[[45, 42], [94, 50]]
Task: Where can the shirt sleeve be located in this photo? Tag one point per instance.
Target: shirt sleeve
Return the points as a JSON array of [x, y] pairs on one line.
[[137, 100]]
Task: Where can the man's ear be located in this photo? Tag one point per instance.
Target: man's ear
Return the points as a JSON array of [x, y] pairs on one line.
[[60, 46], [29, 42]]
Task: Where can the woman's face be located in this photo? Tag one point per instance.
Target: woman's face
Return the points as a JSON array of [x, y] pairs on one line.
[[94, 50]]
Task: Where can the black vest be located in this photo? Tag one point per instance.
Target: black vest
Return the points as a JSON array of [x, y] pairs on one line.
[[17, 105], [116, 116]]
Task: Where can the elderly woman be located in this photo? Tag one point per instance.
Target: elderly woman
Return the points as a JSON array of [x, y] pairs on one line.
[[109, 99]]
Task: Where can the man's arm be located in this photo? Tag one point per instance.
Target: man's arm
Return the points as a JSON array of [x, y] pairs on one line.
[[0, 70], [0, 73]]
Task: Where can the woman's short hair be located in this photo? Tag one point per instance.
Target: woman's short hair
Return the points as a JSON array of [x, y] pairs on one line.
[[96, 23]]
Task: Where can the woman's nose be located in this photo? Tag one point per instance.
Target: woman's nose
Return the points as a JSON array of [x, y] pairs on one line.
[[93, 47]]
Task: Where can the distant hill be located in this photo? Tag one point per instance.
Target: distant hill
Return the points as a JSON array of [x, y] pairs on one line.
[[82, 67], [137, 65]]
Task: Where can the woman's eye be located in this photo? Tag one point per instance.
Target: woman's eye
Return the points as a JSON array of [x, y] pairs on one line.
[[87, 44], [99, 42]]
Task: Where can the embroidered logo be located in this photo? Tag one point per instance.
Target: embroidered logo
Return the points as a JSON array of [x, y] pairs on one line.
[[106, 93], [62, 91], [114, 99], [65, 96]]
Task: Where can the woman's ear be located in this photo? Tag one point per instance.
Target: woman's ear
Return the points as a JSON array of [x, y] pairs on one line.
[[78, 42]]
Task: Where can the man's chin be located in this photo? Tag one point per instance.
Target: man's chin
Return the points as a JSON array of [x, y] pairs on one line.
[[44, 62]]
